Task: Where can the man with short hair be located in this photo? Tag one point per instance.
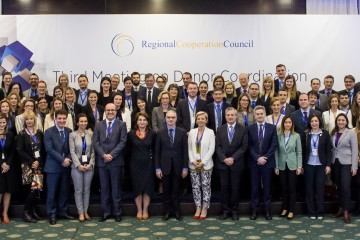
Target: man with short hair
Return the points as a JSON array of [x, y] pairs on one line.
[[244, 84], [135, 78], [83, 92], [150, 93], [254, 91], [313, 100], [285, 108], [32, 91], [115, 82], [109, 143], [350, 89], [263, 143], [161, 83], [42, 92], [187, 78], [57, 167], [300, 116], [328, 86], [171, 164], [281, 74], [216, 110], [231, 145], [321, 99]]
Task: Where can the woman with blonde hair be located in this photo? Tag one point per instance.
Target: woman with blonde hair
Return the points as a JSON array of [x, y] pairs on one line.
[[27, 105], [293, 93], [230, 95], [245, 113], [15, 104], [267, 92], [276, 116]]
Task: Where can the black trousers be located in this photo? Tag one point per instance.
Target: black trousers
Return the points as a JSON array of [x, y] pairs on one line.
[[314, 184], [342, 177], [171, 187], [288, 181], [230, 186]]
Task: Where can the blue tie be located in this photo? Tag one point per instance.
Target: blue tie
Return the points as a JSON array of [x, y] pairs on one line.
[[171, 136], [253, 104], [305, 119], [218, 113], [261, 133]]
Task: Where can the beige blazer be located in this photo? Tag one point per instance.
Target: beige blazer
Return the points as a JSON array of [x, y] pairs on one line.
[[48, 122], [207, 148], [75, 144], [20, 121]]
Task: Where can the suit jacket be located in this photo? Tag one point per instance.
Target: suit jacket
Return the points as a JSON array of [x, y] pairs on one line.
[[140, 87], [2, 94], [291, 155], [183, 94], [289, 109], [269, 144], [236, 149], [207, 148], [27, 93], [250, 116], [114, 145], [266, 104], [48, 98], [157, 118], [90, 115], [25, 149], [323, 91], [258, 102], [167, 156], [183, 113], [347, 148], [210, 109], [323, 102], [295, 101], [239, 91], [297, 117], [77, 92], [133, 99], [75, 144], [154, 99], [324, 147], [57, 149], [276, 85]]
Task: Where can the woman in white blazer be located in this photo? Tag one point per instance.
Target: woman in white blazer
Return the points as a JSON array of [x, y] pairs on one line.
[[49, 121], [201, 144], [27, 105], [345, 162], [329, 116], [122, 113]]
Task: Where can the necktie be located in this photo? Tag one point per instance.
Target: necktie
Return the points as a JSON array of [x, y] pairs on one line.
[[245, 91], [280, 84], [108, 130], [171, 136], [261, 132], [253, 104], [62, 136], [218, 113], [136, 89], [305, 119], [149, 97], [230, 135], [283, 110], [328, 93]]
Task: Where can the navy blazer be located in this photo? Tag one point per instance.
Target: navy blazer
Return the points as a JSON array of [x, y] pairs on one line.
[[297, 117], [183, 113], [114, 145], [210, 109], [55, 146], [269, 144]]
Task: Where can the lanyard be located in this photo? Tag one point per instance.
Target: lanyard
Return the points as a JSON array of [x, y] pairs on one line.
[[128, 100], [286, 142], [231, 133], [2, 141], [316, 141], [198, 142], [96, 114], [84, 145], [32, 136], [9, 123], [277, 120], [193, 109], [246, 121], [83, 97]]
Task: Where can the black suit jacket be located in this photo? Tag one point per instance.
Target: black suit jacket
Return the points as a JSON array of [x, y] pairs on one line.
[[289, 109], [323, 91], [183, 93], [210, 109], [167, 156], [77, 91], [133, 99], [48, 98], [90, 115], [236, 149], [154, 100], [183, 113], [324, 147]]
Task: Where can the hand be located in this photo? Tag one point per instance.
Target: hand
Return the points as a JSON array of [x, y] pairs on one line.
[[107, 158], [262, 160], [4, 168], [277, 171], [88, 167], [184, 173], [299, 171], [159, 174], [327, 170], [353, 172], [66, 162], [81, 168], [35, 165], [229, 161]]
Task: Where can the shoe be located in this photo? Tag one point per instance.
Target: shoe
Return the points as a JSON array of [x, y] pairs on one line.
[[235, 216], [66, 216], [319, 217], [87, 217], [52, 220], [196, 217], [224, 216], [290, 216], [82, 218], [178, 216], [166, 216], [202, 218], [118, 218], [283, 213], [104, 218], [28, 218], [346, 217], [253, 215], [268, 215], [36, 215], [145, 218], [312, 217], [338, 214]]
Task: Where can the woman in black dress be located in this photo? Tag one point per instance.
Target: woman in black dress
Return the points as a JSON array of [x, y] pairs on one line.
[[105, 91], [8, 183], [141, 141], [30, 146]]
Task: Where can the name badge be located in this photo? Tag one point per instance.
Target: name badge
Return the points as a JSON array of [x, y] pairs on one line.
[[84, 159], [314, 152], [192, 118], [2, 156], [37, 154]]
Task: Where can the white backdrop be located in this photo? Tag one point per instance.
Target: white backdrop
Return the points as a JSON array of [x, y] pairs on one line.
[[310, 46]]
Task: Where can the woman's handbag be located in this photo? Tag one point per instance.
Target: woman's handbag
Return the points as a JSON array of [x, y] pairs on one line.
[[27, 174], [37, 181]]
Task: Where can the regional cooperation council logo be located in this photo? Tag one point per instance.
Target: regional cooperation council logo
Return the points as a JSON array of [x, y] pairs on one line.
[[122, 45]]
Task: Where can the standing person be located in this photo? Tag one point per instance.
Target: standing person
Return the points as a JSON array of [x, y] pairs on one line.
[[276, 116], [115, 82], [230, 95], [129, 94], [150, 93], [33, 90], [109, 143], [218, 83], [15, 104], [63, 80], [350, 89], [216, 110], [187, 78], [16, 87], [203, 92], [280, 80], [171, 164], [105, 91], [42, 93], [263, 143], [173, 89], [93, 110], [293, 93], [57, 167], [285, 108], [355, 110], [27, 105], [71, 106], [244, 84], [288, 158], [159, 113], [135, 78], [30, 146], [245, 112], [328, 86], [141, 141], [161, 82], [357, 177], [345, 162], [6, 80], [141, 106], [231, 145], [329, 116], [58, 92], [42, 109], [50, 119], [5, 109], [122, 113], [82, 93], [201, 145], [8, 178], [316, 147], [82, 166], [267, 93]]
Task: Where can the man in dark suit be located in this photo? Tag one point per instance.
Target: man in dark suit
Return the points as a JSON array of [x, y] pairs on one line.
[[150, 93], [42, 89], [328, 86], [187, 78], [285, 108], [244, 84], [263, 143], [135, 78], [171, 163], [216, 110], [314, 101], [231, 144], [254, 91], [129, 94], [280, 80], [350, 88], [57, 167], [109, 142], [115, 82], [300, 116], [187, 108], [83, 92], [321, 99]]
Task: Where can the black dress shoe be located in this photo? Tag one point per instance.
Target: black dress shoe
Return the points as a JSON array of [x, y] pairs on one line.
[[253, 216], [36, 215], [235, 216], [66, 216], [28, 218], [268, 215], [52, 220], [178, 217], [103, 218], [118, 218], [224, 216], [166, 216]]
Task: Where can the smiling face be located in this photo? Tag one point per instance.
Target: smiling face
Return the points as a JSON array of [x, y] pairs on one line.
[[82, 123], [201, 120], [106, 85], [142, 122], [13, 100], [58, 93], [203, 89], [57, 105], [141, 104], [5, 108], [110, 111], [118, 101], [229, 89], [314, 123], [276, 107], [83, 82], [93, 98], [3, 124], [288, 124], [64, 82], [341, 122], [29, 121], [230, 116], [42, 88], [61, 120], [16, 88], [260, 115], [69, 96], [289, 83], [165, 99]]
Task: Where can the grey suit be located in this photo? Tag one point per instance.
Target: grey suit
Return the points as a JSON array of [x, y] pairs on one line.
[[323, 102], [157, 118]]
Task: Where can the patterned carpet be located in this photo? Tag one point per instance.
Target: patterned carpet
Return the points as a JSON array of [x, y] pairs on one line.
[[301, 227]]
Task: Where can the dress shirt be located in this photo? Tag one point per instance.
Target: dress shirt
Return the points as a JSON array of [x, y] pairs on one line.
[[263, 127], [217, 123], [192, 114], [83, 95], [314, 160]]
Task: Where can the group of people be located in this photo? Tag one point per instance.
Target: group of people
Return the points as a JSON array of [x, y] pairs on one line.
[[168, 134]]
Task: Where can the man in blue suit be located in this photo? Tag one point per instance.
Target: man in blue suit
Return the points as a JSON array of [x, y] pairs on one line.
[[57, 167], [262, 145], [109, 142]]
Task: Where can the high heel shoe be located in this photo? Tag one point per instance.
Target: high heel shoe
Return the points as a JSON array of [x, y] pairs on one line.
[[346, 217], [202, 217], [87, 217], [81, 218], [290, 216], [338, 214], [145, 218], [196, 217], [283, 213]]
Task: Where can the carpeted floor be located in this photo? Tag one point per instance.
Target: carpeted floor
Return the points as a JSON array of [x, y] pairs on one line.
[[301, 227]]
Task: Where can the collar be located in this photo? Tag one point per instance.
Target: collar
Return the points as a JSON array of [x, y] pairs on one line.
[[107, 121], [320, 132], [258, 123], [192, 100], [220, 103], [82, 91], [174, 127], [231, 125], [60, 129], [151, 89], [252, 100], [306, 110]]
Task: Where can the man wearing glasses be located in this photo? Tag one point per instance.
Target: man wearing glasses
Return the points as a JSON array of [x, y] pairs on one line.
[[33, 90]]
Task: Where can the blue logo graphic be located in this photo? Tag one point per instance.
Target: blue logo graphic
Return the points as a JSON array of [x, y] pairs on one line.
[[122, 45]]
